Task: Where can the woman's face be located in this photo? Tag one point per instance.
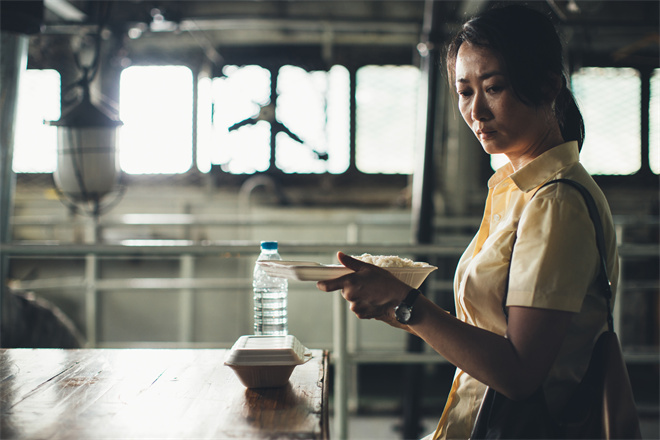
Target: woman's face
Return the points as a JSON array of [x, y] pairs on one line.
[[489, 105]]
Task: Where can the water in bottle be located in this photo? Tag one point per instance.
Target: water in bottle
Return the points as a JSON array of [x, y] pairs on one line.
[[270, 296]]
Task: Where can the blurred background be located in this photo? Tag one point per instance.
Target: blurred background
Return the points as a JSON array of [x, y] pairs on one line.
[[325, 125]]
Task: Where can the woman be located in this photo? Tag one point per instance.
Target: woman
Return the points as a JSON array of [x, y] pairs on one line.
[[506, 67]]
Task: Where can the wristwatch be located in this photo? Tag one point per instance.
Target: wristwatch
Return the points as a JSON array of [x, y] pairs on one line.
[[403, 311]]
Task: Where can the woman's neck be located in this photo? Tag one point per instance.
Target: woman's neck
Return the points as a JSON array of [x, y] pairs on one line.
[[549, 140]]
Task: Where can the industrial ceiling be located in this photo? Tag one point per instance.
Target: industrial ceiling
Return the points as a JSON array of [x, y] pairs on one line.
[[601, 32]]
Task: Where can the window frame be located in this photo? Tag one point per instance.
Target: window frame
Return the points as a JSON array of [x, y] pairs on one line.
[[644, 176], [352, 176], [310, 58]]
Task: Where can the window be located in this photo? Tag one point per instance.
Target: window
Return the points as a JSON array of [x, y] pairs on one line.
[[610, 102], [654, 123], [225, 102], [236, 120], [312, 107], [156, 108], [35, 144], [315, 107], [498, 160], [386, 118], [609, 99]]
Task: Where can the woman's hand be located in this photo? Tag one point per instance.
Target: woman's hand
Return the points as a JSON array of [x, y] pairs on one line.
[[515, 365], [372, 291]]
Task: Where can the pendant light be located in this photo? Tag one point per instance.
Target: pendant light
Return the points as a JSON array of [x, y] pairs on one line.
[[87, 162]]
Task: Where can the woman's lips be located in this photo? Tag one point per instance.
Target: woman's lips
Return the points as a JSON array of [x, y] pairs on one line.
[[486, 134]]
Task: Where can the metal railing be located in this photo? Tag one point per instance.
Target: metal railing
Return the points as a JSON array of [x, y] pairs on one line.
[[342, 357]]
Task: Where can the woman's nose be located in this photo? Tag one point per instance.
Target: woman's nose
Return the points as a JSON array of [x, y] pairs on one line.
[[480, 110]]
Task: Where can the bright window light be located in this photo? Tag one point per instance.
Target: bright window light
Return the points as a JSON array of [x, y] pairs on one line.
[[204, 124], [236, 120], [609, 99], [35, 144], [156, 108], [498, 160], [314, 106], [386, 118], [236, 98], [654, 123]]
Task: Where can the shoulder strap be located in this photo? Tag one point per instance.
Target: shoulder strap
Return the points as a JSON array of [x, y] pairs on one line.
[[606, 288]]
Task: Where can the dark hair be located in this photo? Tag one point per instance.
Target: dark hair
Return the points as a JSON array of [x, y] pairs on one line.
[[529, 46]]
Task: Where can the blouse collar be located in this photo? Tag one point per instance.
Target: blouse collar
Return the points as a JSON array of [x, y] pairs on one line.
[[539, 170]]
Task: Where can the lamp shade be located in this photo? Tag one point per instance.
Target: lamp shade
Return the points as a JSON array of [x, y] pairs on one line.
[[87, 165]]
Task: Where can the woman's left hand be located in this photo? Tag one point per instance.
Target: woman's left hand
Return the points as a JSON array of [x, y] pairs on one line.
[[372, 291]]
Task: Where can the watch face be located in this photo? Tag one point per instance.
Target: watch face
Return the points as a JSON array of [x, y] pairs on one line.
[[402, 313]]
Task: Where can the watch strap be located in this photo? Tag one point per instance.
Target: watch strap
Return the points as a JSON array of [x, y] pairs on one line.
[[410, 299]]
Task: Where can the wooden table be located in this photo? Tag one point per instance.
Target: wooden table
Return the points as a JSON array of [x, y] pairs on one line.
[[153, 393]]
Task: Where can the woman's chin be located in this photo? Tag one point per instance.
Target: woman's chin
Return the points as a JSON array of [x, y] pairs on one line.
[[491, 149]]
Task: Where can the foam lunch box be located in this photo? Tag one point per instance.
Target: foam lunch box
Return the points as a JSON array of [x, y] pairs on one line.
[[266, 361]]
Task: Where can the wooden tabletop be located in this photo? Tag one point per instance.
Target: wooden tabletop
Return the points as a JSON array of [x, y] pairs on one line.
[[153, 393]]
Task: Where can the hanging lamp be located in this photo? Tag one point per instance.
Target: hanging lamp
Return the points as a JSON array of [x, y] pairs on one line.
[[87, 162]]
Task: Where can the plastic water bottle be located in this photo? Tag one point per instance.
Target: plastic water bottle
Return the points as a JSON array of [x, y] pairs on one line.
[[270, 296]]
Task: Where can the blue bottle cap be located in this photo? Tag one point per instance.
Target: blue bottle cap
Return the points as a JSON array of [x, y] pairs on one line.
[[269, 245]]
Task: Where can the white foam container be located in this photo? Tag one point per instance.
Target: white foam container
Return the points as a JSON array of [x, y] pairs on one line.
[[266, 361], [414, 276]]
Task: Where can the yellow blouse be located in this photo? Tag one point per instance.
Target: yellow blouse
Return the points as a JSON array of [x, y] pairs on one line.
[[553, 266]]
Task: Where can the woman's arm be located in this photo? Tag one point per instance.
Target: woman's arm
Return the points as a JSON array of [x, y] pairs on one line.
[[514, 365]]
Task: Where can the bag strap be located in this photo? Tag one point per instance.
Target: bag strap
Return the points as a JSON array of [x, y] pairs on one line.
[[606, 288]]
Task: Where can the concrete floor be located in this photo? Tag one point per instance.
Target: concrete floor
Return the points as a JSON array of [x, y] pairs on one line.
[[378, 427], [386, 428], [376, 414]]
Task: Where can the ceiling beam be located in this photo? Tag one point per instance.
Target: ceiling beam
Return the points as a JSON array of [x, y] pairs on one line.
[[65, 10]]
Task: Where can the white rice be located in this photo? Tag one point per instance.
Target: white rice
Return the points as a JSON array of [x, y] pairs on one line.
[[389, 261]]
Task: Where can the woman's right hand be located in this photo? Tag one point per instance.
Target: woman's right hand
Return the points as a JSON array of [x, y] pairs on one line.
[[371, 291]]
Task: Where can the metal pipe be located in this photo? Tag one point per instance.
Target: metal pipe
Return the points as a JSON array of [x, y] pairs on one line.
[[13, 48], [223, 249], [410, 30], [384, 219], [186, 300], [230, 249], [422, 201], [340, 359], [380, 219], [91, 299], [14, 62]]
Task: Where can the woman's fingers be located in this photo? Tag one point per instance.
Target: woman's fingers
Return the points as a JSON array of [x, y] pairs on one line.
[[350, 262], [341, 282], [370, 290]]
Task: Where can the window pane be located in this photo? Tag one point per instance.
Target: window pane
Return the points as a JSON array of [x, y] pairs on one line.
[[386, 118], [654, 123], [35, 144], [314, 107], [498, 160], [233, 128], [156, 108], [609, 99], [204, 123]]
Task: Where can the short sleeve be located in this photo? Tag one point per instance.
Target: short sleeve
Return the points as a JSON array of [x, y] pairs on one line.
[[555, 258]]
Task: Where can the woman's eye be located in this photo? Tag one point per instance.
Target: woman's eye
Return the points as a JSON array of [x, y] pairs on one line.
[[494, 89], [464, 92]]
